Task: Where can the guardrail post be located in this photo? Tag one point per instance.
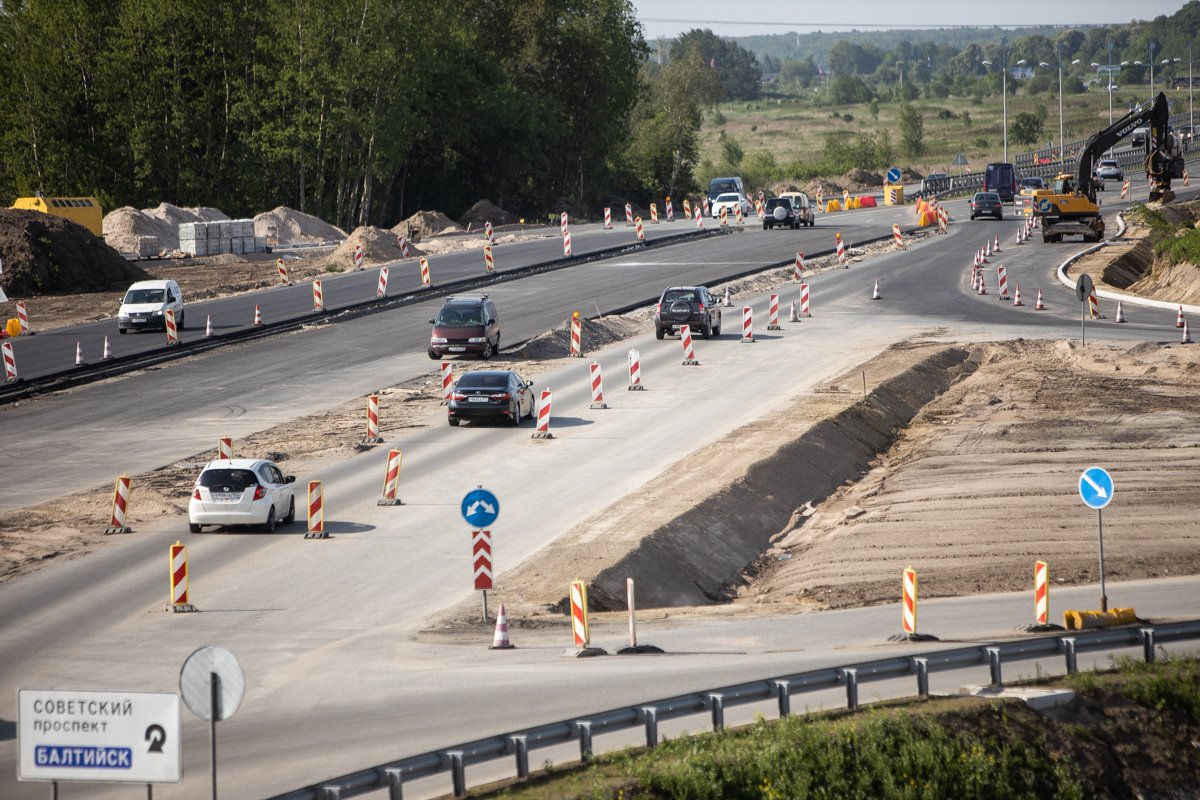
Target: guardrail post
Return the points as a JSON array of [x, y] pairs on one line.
[[783, 691], [851, 676], [395, 783], [521, 753], [458, 773], [716, 703], [1068, 645], [921, 667], [585, 740], [1147, 644], [993, 657], [651, 716]]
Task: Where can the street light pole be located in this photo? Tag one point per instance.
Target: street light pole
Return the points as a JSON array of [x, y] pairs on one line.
[[1151, 73], [1004, 90], [1110, 81]]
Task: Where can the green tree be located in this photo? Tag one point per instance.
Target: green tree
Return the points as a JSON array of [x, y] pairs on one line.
[[1026, 128], [912, 132], [847, 90], [736, 68], [731, 151]]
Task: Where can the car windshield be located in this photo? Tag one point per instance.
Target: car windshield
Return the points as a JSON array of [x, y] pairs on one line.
[[722, 186], [483, 380], [987, 197], [679, 294], [460, 316], [1108, 163], [779, 201], [727, 198], [145, 296], [229, 480]]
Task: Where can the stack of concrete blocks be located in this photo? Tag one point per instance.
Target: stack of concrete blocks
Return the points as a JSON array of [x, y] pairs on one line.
[[235, 236], [147, 246]]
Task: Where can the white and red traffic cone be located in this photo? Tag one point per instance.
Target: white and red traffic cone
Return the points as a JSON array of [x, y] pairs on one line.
[[727, 303], [1039, 305], [792, 313], [987, 248], [996, 246], [875, 295], [1017, 296], [1120, 317], [500, 640], [107, 350], [1021, 235], [257, 316], [79, 362], [1186, 338], [1179, 323], [208, 332]]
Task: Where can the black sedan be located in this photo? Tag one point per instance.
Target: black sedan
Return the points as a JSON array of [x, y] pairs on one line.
[[986, 204], [491, 394]]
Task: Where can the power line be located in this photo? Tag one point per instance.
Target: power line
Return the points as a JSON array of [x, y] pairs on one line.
[[881, 25]]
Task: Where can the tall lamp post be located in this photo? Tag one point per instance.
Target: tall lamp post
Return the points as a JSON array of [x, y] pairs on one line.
[[1151, 73], [1003, 88], [1061, 136]]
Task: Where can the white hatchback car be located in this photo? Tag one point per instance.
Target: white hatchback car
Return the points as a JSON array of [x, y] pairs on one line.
[[731, 201], [242, 491]]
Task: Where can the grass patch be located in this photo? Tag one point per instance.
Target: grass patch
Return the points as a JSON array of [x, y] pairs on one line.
[[1174, 242]]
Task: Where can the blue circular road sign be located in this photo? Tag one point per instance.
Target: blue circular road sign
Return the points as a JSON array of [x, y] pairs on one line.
[[1096, 487], [1044, 206], [893, 175], [480, 508]]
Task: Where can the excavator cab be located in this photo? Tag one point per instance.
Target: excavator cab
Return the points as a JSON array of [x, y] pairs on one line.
[[1064, 184]]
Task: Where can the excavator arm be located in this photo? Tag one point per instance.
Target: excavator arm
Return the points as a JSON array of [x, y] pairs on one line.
[[1163, 160]]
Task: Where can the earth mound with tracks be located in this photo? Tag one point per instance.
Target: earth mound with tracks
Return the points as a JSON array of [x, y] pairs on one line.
[[48, 255]]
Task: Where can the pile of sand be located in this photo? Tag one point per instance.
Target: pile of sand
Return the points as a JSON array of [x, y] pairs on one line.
[[44, 254], [424, 224], [485, 211], [378, 246], [285, 225], [861, 179], [124, 225]]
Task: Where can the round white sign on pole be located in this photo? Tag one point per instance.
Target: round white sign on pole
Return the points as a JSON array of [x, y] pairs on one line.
[[195, 682]]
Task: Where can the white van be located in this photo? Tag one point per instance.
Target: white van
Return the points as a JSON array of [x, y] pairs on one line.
[[145, 304]]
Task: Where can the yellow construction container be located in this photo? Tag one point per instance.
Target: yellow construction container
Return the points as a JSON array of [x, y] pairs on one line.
[[84, 210], [893, 195], [13, 328]]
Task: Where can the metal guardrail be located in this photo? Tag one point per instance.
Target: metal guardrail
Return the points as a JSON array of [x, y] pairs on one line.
[[518, 744]]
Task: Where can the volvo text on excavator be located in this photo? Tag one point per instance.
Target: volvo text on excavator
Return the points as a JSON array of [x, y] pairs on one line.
[[1071, 208]]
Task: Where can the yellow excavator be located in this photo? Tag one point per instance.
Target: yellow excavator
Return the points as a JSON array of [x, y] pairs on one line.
[[1070, 207]]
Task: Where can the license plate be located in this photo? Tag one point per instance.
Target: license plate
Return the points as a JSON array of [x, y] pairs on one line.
[[477, 399], [457, 349], [138, 319], [226, 497]]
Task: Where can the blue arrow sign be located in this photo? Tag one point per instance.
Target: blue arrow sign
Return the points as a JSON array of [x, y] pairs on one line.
[[1096, 487], [480, 508], [893, 175]]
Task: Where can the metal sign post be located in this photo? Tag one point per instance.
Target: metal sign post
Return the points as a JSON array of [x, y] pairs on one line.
[[1083, 290], [212, 684], [1096, 490]]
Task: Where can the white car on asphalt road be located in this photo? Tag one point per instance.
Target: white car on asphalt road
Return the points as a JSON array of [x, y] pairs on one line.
[[242, 491], [145, 305], [731, 201]]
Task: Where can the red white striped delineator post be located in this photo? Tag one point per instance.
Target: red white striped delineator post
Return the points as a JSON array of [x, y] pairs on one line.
[[401, 240], [481, 559], [79, 361], [225, 447], [638, 229], [738, 214], [798, 271], [747, 324], [1179, 318], [724, 217], [172, 328], [909, 601], [489, 263], [687, 209], [773, 314], [23, 319], [1002, 278], [425, 278], [318, 295], [1039, 305], [898, 237], [707, 206], [281, 268], [597, 382], [580, 632], [120, 506], [108, 354], [257, 316], [1125, 190], [488, 232], [685, 336], [358, 253], [635, 371], [670, 211], [316, 512], [576, 345], [943, 219], [562, 222], [758, 209], [372, 436], [1017, 297], [628, 215], [1041, 593], [391, 479], [607, 218], [1094, 305], [804, 312], [447, 382], [699, 219], [653, 214], [566, 237], [543, 416], [177, 561], [208, 330], [841, 249], [381, 288]]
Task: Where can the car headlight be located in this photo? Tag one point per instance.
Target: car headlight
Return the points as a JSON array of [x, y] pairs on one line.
[[476, 340], [158, 313], [436, 340], [122, 316]]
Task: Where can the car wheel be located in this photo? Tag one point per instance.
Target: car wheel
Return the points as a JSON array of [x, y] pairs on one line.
[[716, 331], [122, 331], [193, 527], [291, 515], [706, 332], [433, 355], [453, 421], [487, 351], [181, 322], [766, 226], [659, 332], [269, 525], [515, 413]]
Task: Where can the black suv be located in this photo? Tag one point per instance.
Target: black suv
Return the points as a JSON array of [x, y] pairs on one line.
[[687, 305], [466, 324], [780, 212]]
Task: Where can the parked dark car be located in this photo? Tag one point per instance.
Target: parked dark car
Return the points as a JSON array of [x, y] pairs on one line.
[[987, 204], [780, 213], [687, 305], [465, 325], [491, 394]]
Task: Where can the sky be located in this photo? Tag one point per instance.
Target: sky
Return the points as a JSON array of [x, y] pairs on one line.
[[669, 18]]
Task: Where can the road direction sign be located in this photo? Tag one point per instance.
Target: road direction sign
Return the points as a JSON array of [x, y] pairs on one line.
[[1044, 206], [1096, 487], [195, 682], [480, 508], [893, 175], [1083, 287], [111, 737]]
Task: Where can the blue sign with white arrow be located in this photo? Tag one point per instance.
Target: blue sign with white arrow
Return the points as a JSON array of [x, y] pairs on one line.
[[893, 175], [480, 508], [1096, 487]]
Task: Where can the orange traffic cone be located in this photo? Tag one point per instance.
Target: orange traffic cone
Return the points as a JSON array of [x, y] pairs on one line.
[[996, 247], [500, 640], [1017, 297], [1040, 306], [876, 295], [1179, 323], [982, 287]]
